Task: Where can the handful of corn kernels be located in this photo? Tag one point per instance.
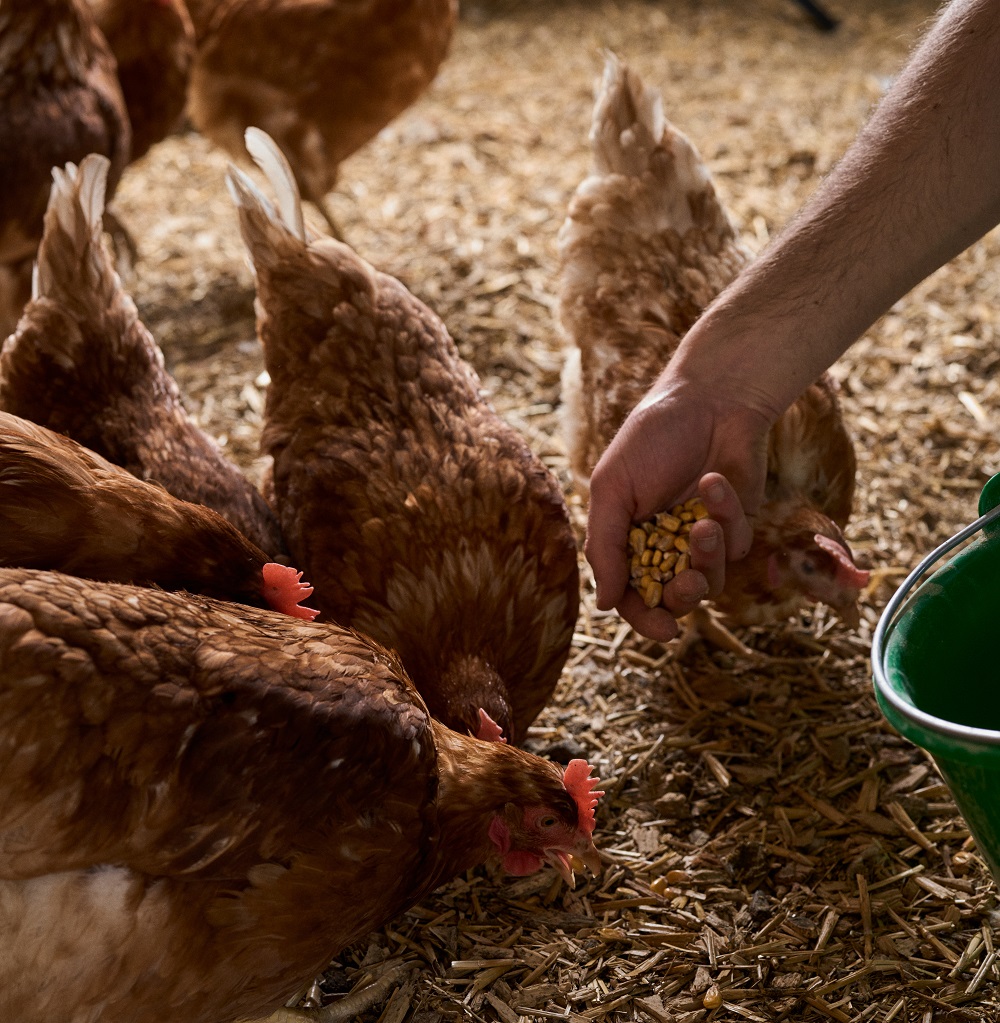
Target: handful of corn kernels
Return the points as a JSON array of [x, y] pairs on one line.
[[659, 548]]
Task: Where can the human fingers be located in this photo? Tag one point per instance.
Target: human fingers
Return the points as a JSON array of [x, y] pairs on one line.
[[606, 545], [708, 553], [652, 622], [724, 507]]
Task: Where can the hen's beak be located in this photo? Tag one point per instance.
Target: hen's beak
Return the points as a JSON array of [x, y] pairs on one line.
[[583, 854], [561, 862]]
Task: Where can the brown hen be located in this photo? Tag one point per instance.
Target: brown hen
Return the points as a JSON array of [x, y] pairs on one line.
[[63, 507], [203, 803], [321, 77], [646, 247], [153, 44], [59, 101], [420, 516], [81, 363]]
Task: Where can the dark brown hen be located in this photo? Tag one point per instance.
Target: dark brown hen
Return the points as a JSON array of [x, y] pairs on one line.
[[82, 363], [153, 44]]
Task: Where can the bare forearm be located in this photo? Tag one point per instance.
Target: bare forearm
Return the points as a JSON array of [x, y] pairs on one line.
[[920, 184]]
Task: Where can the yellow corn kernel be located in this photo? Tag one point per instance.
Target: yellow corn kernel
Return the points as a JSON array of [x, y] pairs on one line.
[[682, 544], [657, 557], [671, 523], [653, 594], [637, 540], [683, 562], [646, 557]]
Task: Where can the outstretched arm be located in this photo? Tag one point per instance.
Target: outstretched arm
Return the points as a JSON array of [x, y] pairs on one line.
[[919, 184]]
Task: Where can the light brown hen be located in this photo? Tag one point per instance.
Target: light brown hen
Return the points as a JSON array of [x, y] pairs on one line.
[[202, 803], [419, 515], [321, 77], [645, 248]]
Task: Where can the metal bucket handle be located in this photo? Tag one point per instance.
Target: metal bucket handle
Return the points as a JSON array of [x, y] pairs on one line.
[[890, 619]]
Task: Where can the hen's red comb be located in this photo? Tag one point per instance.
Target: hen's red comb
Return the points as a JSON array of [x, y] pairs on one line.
[[580, 786], [847, 573], [489, 730], [283, 589]]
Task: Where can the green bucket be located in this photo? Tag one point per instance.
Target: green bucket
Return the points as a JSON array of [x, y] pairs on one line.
[[936, 661]]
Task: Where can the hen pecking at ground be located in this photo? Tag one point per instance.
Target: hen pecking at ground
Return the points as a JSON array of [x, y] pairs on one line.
[[419, 515], [191, 825], [645, 248]]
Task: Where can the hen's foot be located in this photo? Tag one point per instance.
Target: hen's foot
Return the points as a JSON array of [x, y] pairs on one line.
[[702, 624], [360, 1000], [331, 220]]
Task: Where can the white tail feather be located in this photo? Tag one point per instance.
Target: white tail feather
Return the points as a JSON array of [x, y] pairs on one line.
[[76, 193], [271, 160]]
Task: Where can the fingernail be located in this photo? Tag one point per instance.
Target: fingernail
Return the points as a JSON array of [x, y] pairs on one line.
[[707, 543], [715, 492]]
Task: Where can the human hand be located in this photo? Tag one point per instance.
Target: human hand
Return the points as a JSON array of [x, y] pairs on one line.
[[680, 440]]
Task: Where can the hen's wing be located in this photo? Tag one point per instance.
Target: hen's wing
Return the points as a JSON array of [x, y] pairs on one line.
[[82, 363], [423, 518], [645, 247]]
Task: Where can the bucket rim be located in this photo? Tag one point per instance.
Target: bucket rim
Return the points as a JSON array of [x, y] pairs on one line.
[[887, 625]]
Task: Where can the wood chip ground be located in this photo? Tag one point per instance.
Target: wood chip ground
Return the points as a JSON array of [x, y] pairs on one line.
[[774, 851]]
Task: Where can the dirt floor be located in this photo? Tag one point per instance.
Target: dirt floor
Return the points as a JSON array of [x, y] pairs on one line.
[[774, 851]]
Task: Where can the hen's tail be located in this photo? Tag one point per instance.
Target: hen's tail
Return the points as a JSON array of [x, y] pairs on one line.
[[300, 276], [73, 267], [267, 233], [631, 137]]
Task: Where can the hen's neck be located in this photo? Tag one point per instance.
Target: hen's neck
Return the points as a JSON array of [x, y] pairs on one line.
[[467, 683], [471, 790]]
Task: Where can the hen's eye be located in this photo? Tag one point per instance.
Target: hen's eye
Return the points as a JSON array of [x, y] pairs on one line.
[[808, 568], [548, 822]]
